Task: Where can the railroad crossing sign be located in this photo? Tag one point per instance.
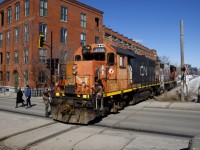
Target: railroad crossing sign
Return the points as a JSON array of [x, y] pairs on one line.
[[186, 68]]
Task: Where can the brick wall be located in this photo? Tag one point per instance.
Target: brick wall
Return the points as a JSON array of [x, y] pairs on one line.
[[54, 24]]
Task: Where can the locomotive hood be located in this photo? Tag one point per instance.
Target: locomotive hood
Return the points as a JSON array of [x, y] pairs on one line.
[[126, 52]]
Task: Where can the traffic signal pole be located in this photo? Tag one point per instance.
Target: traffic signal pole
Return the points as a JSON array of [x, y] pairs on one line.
[[51, 47], [52, 61]]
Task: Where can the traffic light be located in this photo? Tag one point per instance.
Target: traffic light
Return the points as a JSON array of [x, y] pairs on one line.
[[48, 63], [56, 61], [41, 41], [52, 63], [52, 71]]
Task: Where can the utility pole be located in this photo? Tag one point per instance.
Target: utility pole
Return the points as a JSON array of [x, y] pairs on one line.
[[182, 61]]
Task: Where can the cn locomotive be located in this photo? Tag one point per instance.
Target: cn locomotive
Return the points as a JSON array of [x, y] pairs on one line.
[[127, 78]]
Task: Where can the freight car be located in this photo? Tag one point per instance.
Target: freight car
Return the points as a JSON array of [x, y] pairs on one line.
[[127, 78]]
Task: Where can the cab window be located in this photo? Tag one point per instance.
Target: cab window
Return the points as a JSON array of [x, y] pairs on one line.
[[121, 61], [77, 58], [111, 59]]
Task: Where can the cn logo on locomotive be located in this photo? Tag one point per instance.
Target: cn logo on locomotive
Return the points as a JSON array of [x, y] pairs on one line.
[[143, 71]]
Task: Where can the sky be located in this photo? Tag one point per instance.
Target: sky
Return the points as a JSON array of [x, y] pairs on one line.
[[156, 25]]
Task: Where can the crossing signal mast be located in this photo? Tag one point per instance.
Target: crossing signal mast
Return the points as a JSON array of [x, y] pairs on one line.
[[51, 63]]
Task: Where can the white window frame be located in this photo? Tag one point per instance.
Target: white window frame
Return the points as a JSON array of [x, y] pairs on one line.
[[26, 8], [63, 13], [63, 35], [17, 11]]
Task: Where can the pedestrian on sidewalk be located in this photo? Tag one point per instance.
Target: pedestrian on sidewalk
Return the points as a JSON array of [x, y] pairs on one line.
[[19, 98], [47, 99], [28, 96]]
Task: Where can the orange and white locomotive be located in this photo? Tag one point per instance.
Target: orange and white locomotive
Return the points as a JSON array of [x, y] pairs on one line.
[[126, 78]]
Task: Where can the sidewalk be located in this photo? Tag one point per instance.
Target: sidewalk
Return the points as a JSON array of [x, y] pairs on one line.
[[174, 105], [147, 104]]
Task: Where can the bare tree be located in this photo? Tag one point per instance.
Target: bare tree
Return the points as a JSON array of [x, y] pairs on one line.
[[164, 59]]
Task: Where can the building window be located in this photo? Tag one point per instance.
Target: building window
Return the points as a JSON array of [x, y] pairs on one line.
[[1, 58], [63, 13], [42, 55], [26, 76], [26, 32], [83, 39], [25, 55], [9, 15], [42, 77], [63, 35], [1, 76], [16, 35], [1, 39], [17, 11], [16, 57], [83, 20], [97, 40], [26, 8], [8, 37], [97, 23], [8, 76], [43, 30], [8, 58], [43, 8], [2, 18]]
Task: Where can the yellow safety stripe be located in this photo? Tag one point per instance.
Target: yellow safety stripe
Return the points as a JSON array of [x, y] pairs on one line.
[[116, 92]]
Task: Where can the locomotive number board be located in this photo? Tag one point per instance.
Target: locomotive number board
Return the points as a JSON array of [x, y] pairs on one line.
[[99, 50]]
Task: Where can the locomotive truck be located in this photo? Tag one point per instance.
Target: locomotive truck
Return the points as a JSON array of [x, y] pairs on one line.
[[127, 78]]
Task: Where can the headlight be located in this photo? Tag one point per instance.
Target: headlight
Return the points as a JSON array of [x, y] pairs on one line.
[[57, 94], [83, 84]]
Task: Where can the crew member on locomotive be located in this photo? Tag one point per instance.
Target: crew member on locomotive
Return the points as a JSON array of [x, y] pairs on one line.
[[98, 91]]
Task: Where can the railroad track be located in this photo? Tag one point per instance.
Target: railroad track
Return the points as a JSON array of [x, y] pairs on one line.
[[51, 130], [51, 127]]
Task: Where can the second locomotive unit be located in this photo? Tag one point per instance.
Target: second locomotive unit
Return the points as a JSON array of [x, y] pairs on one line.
[[125, 77]]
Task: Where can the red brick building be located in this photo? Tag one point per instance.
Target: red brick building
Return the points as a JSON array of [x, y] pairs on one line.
[[21, 21], [119, 40], [71, 23]]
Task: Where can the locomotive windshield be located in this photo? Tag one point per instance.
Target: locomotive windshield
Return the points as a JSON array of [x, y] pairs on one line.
[[94, 56], [91, 56]]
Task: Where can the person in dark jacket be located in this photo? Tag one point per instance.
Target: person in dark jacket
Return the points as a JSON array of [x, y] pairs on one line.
[[19, 98], [28, 96]]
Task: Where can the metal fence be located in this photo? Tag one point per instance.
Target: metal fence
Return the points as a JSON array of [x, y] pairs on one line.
[[13, 91], [36, 92]]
